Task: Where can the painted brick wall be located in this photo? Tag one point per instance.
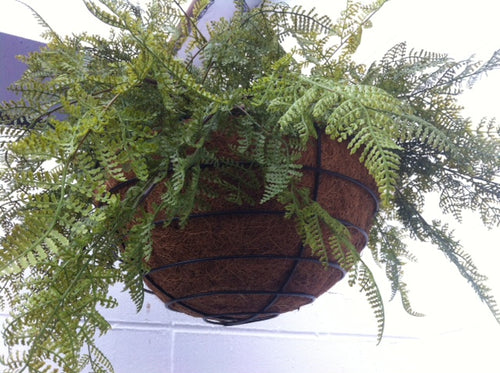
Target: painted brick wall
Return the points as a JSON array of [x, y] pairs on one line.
[[332, 336]]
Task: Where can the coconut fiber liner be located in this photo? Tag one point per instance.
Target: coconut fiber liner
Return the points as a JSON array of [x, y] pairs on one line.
[[237, 264]]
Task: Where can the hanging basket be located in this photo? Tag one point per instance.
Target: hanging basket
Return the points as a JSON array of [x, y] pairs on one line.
[[240, 264]]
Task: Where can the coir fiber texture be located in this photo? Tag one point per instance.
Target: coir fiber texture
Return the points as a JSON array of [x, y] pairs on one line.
[[235, 264]]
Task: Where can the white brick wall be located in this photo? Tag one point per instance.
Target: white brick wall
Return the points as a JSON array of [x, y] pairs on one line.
[[334, 335], [329, 336]]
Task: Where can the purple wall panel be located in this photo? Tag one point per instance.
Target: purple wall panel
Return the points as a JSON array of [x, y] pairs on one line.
[[11, 69]]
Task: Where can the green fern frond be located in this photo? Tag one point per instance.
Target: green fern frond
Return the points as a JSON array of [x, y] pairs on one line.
[[137, 250], [312, 222], [362, 114], [440, 236], [278, 178], [313, 235], [326, 45], [388, 249], [339, 241], [117, 17], [293, 118], [24, 252], [53, 312], [463, 261], [305, 21], [363, 277], [428, 133], [492, 64], [50, 33], [97, 361]]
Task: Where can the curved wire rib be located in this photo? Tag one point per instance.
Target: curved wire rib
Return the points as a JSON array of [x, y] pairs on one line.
[[238, 318]]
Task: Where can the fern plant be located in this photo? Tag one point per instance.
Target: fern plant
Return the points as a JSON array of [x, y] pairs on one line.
[[95, 109]]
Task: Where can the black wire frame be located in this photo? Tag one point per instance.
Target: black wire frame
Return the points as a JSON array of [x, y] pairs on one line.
[[231, 319], [265, 313]]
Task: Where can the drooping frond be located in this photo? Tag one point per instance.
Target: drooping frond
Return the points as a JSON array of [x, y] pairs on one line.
[[97, 361], [442, 238], [492, 64], [389, 249], [363, 277], [435, 137], [311, 218]]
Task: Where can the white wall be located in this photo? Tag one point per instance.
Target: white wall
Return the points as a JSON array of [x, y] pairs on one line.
[[332, 336]]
